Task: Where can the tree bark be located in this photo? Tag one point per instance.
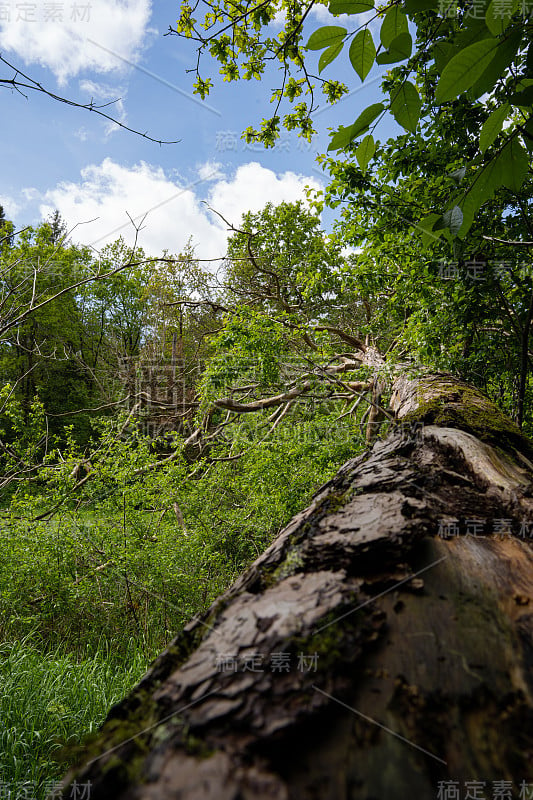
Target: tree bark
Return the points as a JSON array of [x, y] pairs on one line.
[[381, 646]]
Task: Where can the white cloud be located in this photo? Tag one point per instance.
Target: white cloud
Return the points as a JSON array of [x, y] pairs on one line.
[[100, 91], [321, 14], [10, 206], [351, 21], [100, 35], [81, 134], [253, 186], [29, 193], [279, 19], [174, 211], [348, 251], [210, 171]]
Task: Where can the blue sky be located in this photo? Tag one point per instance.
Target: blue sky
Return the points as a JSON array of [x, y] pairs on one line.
[[54, 156]]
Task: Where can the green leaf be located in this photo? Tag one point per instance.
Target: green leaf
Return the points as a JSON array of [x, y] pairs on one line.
[[366, 118], [393, 25], [399, 49], [486, 180], [402, 44], [524, 98], [325, 37], [365, 151], [464, 69], [474, 18], [452, 219], [475, 30], [386, 57], [405, 106], [343, 136], [329, 55], [337, 7], [413, 6], [499, 15], [362, 53], [515, 163], [425, 229], [442, 53], [503, 57], [492, 126], [458, 174], [468, 206]]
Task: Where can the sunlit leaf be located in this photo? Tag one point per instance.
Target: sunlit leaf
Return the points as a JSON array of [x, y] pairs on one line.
[[393, 25], [405, 106], [515, 164], [337, 7], [366, 118], [362, 53], [399, 49], [497, 66], [344, 136], [492, 126], [325, 37], [463, 70], [329, 55], [365, 151]]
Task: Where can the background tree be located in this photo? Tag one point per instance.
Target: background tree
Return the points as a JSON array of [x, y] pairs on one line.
[[36, 346], [459, 304]]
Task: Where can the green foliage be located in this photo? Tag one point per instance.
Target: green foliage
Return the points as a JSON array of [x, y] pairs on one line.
[[49, 700], [405, 106], [462, 308], [37, 336], [344, 136], [464, 69], [365, 151], [106, 584], [393, 25], [362, 53], [117, 536], [459, 56], [282, 261], [327, 36], [492, 126], [117, 548], [250, 346]]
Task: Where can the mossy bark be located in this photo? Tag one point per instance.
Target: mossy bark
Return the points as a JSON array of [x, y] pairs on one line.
[[409, 650]]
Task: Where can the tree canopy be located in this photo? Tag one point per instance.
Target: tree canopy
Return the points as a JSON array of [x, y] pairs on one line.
[[468, 59]]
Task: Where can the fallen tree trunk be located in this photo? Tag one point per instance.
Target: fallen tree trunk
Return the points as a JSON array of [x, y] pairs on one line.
[[381, 646]]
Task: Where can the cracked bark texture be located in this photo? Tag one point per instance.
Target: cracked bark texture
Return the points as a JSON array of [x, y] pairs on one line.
[[423, 643]]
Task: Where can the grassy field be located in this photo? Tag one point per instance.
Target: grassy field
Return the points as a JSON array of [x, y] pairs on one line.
[[89, 597], [51, 700]]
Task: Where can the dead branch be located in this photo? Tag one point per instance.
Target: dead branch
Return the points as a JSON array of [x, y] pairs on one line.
[[28, 83]]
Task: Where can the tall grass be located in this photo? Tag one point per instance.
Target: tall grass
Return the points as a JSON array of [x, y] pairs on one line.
[[49, 700], [89, 596]]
